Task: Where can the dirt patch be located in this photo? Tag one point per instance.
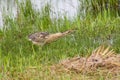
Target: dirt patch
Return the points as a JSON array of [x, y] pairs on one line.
[[102, 59]]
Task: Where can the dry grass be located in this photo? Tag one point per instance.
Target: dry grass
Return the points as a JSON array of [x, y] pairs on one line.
[[101, 60]]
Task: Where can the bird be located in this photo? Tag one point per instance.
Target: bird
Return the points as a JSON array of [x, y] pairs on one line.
[[42, 38]]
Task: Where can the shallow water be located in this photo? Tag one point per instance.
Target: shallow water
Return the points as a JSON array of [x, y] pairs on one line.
[[59, 8]]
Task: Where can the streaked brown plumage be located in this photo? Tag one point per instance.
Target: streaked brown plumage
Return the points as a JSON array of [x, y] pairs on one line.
[[41, 38]]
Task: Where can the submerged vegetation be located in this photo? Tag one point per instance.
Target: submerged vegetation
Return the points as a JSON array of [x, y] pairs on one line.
[[20, 59]]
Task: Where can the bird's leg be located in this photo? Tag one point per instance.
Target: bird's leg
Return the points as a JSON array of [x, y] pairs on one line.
[[33, 48], [41, 46]]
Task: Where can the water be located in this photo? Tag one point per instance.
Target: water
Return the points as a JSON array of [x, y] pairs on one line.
[[59, 8]]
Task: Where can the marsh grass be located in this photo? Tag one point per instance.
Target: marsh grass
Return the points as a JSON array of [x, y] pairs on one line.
[[17, 54]]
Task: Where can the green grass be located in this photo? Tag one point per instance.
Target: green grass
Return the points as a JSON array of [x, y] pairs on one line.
[[18, 56]]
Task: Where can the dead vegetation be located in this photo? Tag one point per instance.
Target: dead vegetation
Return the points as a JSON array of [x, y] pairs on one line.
[[103, 63], [102, 59]]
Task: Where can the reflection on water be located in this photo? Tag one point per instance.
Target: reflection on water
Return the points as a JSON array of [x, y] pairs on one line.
[[1, 22], [59, 7], [7, 7]]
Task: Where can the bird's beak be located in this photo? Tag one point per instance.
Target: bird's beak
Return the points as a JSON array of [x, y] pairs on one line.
[[29, 39]]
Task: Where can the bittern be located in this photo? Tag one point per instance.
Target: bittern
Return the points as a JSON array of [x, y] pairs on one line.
[[42, 38]]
